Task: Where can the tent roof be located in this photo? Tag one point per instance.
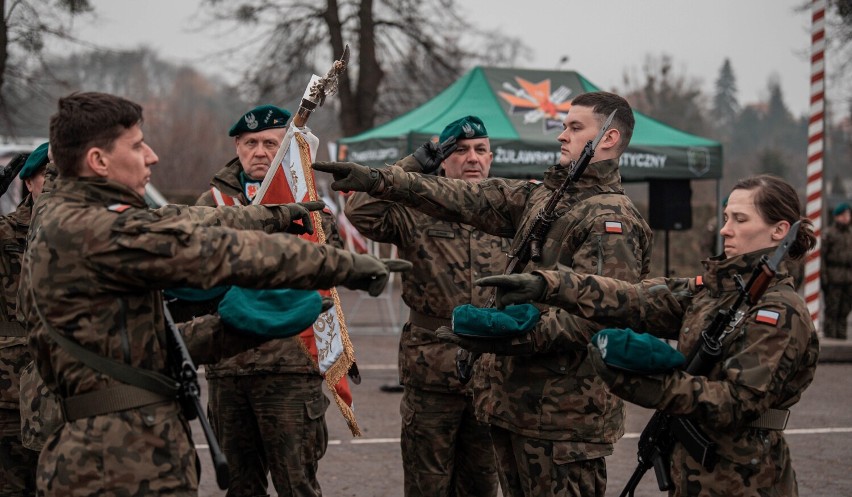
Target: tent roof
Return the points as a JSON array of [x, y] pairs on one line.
[[523, 111]]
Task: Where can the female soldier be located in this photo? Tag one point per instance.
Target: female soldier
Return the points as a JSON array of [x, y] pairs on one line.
[[768, 358]]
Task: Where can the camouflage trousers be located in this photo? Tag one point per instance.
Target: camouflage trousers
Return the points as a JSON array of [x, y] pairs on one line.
[[445, 450], [838, 304], [17, 463], [270, 423], [533, 467]]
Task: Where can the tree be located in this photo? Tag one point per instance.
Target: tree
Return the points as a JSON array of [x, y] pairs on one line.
[[725, 104], [403, 50], [26, 26], [673, 99], [187, 116]]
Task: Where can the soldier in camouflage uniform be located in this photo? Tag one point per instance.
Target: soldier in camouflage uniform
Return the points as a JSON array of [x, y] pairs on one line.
[[837, 273], [553, 420], [768, 358], [445, 450], [17, 463], [92, 274], [266, 404]]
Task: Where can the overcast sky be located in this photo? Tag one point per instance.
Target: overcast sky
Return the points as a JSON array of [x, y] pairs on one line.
[[602, 39]]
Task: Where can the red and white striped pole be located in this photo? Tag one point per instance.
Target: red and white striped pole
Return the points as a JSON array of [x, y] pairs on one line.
[[816, 140]]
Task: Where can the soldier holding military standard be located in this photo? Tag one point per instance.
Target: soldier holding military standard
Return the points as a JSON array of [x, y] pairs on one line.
[[768, 358], [552, 419], [445, 450], [92, 278], [266, 404]]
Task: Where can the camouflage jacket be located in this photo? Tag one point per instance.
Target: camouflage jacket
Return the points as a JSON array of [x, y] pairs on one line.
[[837, 255], [768, 361], [13, 350], [448, 257], [553, 394], [287, 355], [97, 260]]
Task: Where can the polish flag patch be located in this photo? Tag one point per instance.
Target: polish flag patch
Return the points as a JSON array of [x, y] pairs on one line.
[[768, 317], [118, 208], [613, 227], [699, 281]]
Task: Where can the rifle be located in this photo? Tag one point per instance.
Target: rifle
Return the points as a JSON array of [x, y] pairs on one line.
[[530, 246], [663, 430], [12, 169], [189, 394]]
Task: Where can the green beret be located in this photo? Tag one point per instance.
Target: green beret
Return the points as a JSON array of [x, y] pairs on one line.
[[466, 127], [278, 313], [841, 208], [488, 322], [636, 352], [36, 160], [259, 119]]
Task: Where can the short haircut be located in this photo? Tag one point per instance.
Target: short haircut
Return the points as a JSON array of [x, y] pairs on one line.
[[86, 120], [603, 103], [776, 200]]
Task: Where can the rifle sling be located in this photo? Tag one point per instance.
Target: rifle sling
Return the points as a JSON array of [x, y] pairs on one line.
[[428, 322], [143, 387]]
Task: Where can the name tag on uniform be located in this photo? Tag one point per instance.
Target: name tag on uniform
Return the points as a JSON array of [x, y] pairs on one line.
[[440, 233]]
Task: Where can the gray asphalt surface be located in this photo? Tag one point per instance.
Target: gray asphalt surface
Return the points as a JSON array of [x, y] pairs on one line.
[[819, 432]]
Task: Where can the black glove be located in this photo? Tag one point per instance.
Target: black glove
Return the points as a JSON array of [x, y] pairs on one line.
[[515, 288], [327, 303], [643, 390], [301, 211], [349, 176], [371, 274], [518, 345], [430, 155]]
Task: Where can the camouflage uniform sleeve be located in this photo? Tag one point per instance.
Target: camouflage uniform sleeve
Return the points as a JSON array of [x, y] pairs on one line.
[[208, 341], [378, 220], [494, 205], [269, 218], [150, 251], [766, 365], [653, 306], [206, 199]]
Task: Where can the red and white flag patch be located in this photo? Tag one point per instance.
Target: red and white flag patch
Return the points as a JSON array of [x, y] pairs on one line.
[[768, 317], [613, 227]]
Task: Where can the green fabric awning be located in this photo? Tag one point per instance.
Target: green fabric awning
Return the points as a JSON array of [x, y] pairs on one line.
[[523, 110]]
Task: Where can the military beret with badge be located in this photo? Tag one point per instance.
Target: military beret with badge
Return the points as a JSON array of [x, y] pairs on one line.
[[260, 118], [37, 160], [633, 365], [430, 155]]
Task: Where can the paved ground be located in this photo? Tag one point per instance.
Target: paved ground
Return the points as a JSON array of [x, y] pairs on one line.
[[819, 433]]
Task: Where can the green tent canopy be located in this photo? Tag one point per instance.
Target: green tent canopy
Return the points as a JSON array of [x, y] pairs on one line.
[[523, 110]]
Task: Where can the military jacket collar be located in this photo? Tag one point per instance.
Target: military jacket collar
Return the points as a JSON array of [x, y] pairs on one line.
[[602, 173], [720, 271], [98, 191], [227, 180]]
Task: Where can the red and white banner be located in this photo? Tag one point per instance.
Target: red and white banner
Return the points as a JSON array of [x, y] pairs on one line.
[[291, 179]]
